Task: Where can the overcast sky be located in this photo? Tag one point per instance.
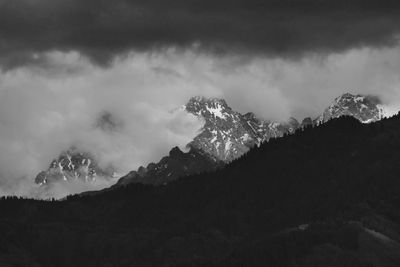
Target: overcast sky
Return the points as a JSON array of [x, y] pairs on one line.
[[64, 62]]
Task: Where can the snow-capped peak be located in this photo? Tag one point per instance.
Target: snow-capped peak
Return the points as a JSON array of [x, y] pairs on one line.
[[72, 165], [208, 107], [227, 134], [364, 108]]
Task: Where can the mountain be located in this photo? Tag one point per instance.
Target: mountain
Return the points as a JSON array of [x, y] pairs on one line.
[[364, 108], [72, 165], [324, 196], [177, 164], [227, 134], [76, 164]]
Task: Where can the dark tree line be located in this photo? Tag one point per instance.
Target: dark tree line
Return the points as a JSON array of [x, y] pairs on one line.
[[338, 179]]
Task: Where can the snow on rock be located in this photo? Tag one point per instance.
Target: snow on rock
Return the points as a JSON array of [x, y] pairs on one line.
[[227, 134], [366, 109], [216, 111], [72, 165]]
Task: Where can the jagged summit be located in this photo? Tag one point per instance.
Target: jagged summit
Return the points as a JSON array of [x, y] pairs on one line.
[[364, 108], [202, 106], [175, 152], [250, 116], [227, 134], [72, 165], [76, 164], [205, 99], [171, 167]]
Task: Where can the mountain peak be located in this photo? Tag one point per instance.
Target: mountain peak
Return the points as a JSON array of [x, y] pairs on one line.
[[72, 165], [250, 116], [175, 152], [359, 98], [227, 134], [365, 108], [214, 108], [348, 97], [172, 167], [207, 100]]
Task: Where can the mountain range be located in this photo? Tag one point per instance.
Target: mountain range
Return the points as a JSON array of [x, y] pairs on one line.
[[326, 195], [225, 136]]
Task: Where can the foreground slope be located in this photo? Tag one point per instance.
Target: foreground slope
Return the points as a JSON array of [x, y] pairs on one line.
[[325, 196]]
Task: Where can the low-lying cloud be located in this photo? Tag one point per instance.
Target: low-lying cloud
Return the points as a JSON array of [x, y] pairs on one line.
[[44, 111]]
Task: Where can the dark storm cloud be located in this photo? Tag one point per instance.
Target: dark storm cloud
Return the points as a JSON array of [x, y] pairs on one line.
[[101, 29]]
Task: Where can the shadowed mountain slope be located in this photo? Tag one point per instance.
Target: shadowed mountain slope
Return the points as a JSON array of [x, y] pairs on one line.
[[225, 136], [324, 196], [177, 164]]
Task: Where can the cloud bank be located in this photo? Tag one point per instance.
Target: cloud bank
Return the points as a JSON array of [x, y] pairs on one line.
[[44, 111], [102, 29], [65, 63], [45, 108]]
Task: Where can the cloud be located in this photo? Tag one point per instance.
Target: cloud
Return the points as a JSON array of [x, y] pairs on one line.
[[66, 63], [101, 29], [45, 108]]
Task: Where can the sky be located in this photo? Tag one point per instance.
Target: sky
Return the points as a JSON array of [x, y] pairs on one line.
[[63, 63]]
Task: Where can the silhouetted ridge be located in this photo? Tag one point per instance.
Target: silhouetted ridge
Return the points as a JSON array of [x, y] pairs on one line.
[[225, 136], [176, 165], [326, 195], [176, 152]]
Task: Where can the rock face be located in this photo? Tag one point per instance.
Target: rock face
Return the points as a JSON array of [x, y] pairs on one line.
[[227, 134], [75, 164], [72, 165], [176, 164], [306, 122], [364, 108]]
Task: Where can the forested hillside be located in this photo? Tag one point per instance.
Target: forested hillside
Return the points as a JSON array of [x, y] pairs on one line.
[[327, 195]]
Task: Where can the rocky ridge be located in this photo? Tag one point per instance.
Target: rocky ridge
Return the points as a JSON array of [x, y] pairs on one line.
[[364, 108], [73, 165], [225, 136], [177, 164]]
